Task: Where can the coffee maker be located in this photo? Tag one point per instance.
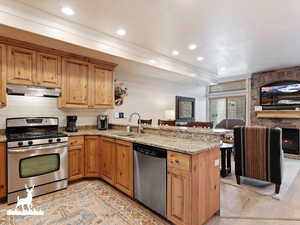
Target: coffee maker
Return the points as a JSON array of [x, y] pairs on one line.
[[71, 124], [102, 122]]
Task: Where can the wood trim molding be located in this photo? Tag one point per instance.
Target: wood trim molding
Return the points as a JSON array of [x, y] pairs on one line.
[[270, 114], [46, 50]]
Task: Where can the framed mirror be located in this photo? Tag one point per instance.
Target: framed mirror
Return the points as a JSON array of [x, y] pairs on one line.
[[185, 109]]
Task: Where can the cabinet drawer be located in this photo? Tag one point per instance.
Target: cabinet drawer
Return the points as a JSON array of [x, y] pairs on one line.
[[179, 161], [78, 140]]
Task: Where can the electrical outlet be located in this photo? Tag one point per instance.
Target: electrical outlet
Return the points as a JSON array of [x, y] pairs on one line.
[[217, 162], [116, 115]]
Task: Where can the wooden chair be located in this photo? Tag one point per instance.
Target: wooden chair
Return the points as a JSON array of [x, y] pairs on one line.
[[167, 122], [258, 154], [147, 122], [200, 124]]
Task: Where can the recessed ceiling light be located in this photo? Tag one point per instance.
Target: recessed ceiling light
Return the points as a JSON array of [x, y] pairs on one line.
[[200, 58], [121, 32], [192, 75], [152, 61], [192, 46], [68, 11], [213, 83], [175, 52]]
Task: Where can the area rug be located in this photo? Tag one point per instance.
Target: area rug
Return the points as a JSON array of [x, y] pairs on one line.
[[290, 172], [84, 203]]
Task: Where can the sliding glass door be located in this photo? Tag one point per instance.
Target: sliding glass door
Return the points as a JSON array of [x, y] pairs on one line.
[[227, 108]]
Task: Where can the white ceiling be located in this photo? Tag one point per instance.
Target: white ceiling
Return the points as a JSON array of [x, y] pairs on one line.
[[235, 37]]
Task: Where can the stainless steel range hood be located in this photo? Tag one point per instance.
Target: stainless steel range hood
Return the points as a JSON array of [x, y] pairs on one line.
[[32, 91]]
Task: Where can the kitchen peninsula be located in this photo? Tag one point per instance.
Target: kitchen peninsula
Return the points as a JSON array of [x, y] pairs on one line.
[[193, 183]]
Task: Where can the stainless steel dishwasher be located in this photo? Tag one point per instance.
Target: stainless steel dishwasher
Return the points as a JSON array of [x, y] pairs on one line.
[[150, 177]]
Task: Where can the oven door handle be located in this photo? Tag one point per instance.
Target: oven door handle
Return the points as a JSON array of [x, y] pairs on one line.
[[35, 148]]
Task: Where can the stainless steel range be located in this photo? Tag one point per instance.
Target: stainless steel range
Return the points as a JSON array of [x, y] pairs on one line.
[[37, 154]]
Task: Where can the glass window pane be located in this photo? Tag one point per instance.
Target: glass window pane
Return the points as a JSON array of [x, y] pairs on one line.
[[38, 165], [217, 110], [228, 86], [236, 108]]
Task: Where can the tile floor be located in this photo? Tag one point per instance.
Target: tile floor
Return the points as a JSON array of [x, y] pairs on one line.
[[95, 202]]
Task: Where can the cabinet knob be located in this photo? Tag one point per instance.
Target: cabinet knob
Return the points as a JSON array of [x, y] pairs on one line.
[[1, 186], [177, 161]]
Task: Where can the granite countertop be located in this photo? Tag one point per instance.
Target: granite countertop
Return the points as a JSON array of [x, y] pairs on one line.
[[177, 144], [183, 145], [214, 131]]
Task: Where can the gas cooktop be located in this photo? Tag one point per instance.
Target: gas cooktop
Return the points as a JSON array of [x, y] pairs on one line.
[[34, 135]]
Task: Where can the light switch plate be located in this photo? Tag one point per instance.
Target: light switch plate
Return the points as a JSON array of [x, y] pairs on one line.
[[116, 115], [217, 162]]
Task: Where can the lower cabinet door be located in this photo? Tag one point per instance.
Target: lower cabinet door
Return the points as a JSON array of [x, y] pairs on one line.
[[107, 163], [76, 162], [124, 167], [92, 156], [179, 198], [2, 170]]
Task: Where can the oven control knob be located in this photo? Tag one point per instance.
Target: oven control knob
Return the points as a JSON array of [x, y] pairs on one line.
[[50, 140], [58, 140], [30, 142], [20, 143]]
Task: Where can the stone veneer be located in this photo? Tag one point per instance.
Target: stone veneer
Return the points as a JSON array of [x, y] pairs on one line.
[[263, 78]]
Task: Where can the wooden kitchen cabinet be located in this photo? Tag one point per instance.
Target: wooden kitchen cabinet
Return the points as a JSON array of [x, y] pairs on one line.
[[28, 67], [103, 88], [3, 67], [193, 195], [92, 156], [117, 164], [21, 66], [124, 167], [75, 84], [3, 185], [179, 197], [76, 158], [108, 159], [86, 85], [48, 70]]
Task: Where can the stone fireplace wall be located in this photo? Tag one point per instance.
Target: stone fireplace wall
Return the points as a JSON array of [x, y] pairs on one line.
[[263, 78]]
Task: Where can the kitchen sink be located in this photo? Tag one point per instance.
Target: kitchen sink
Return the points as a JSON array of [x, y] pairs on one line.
[[127, 134]]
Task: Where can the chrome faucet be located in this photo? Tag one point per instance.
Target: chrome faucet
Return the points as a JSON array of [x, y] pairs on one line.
[[139, 121]]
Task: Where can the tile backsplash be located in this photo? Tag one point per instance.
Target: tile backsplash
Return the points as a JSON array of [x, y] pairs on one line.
[[24, 106]]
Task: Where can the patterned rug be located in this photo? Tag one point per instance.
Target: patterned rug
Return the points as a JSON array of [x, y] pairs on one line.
[[84, 203]]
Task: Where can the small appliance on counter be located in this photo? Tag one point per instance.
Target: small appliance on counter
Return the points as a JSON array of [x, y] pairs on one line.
[[71, 124], [102, 122]]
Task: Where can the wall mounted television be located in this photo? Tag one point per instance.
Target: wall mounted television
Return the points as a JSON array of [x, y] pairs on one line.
[[280, 94]]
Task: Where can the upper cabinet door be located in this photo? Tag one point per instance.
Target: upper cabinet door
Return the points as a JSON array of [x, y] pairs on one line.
[[2, 75], [104, 88], [21, 66], [48, 70], [75, 82]]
